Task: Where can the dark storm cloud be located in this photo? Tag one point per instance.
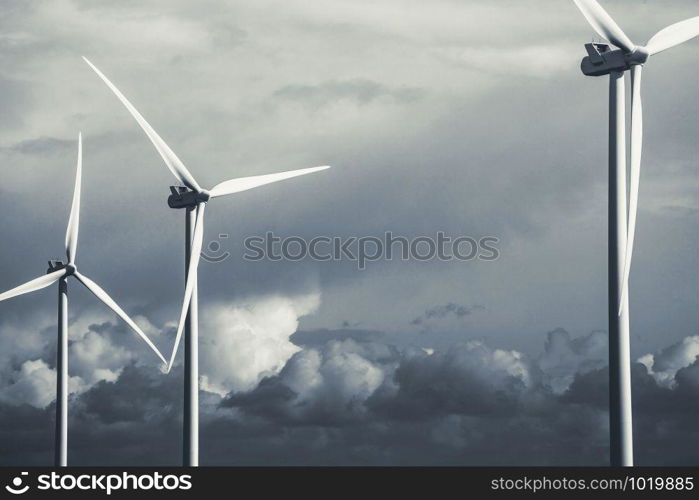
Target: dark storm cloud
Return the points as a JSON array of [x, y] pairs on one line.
[[318, 337], [25, 432], [459, 408], [475, 401], [366, 402], [110, 403], [450, 309]]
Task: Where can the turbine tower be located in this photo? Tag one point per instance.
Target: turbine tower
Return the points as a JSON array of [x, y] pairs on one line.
[[193, 198], [60, 272], [615, 62]]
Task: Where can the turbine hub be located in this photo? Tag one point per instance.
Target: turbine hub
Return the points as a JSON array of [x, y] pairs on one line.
[[639, 56]]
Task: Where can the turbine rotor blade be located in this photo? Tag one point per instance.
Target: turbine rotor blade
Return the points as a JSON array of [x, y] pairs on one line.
[[34, 285], [604, 25], [197, 241], [245, 183], [74, 220], [635, 175], [169, 157], [109, 302], [673, 35]]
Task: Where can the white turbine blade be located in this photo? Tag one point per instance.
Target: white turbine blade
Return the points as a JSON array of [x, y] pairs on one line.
[[33, 285], [74, 220], [245, 183], [104, 297], [604, 25], [635, 174], [673, 35], [171, 160], [195, 253]]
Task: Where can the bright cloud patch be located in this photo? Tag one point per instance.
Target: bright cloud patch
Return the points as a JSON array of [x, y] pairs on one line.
[[241, 343]]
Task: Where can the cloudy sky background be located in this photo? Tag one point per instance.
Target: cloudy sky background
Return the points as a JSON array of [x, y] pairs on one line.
[[470, 118]]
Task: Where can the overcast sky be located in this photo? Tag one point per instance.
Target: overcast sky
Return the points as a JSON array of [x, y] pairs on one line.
[[467, 117]]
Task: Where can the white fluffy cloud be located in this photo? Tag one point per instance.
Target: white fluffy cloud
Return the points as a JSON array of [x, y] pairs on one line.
[[95, 358], [664, 365], [35, 384], [337, 380], [564, 357], [495, 365], [334, 376], [95, 353], [241, 343]]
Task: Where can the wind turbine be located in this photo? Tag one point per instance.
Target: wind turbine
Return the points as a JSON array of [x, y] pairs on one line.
[[605, 60], [60, 272], [193, 198]]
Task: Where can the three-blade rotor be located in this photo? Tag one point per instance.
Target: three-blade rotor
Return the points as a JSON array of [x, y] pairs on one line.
[[665, 39], [65, 271], [185, 177]]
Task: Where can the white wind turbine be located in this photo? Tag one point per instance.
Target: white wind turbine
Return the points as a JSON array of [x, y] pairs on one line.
[[603, 60], [58, 271], [193, 198]]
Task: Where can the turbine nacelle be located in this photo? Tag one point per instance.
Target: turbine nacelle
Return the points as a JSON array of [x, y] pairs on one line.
[[183, 197], [55, 265], [602, 59]]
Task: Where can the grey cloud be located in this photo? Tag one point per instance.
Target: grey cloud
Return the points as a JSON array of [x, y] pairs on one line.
[[96, 352], [43, 146], [305, 338], [366, 402], [326, 385], [474, 399], [665, 365], [13, 98], [34, 384], [564, 357], [452, 383], [359, 90], [450, 309], [113, 402], [225, 34], [26, 434]]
